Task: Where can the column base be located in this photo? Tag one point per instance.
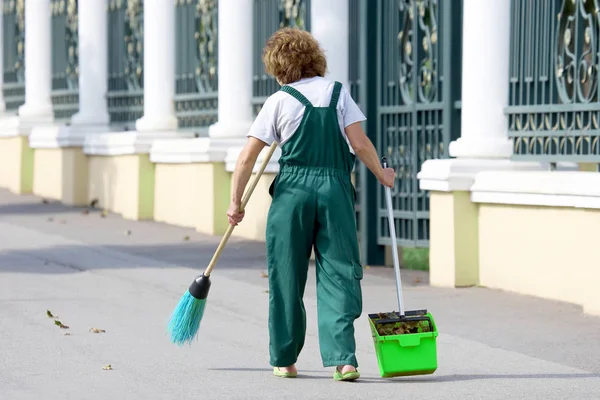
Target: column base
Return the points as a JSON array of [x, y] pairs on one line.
[[454, 240], [156, 124], [91, 121], [39, 112], [490, 148], [229, 130]]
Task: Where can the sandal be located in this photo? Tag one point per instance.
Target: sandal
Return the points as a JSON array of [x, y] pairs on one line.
[[283, 374], [348, 376]]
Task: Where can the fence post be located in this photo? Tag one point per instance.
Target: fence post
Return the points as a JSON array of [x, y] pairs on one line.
[[371, 252]]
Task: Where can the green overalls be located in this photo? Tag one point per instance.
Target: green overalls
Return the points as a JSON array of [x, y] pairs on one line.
[[313, 205]]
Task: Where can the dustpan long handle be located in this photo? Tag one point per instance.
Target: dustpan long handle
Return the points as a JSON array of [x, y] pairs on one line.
[[388, 198], [245, 199]]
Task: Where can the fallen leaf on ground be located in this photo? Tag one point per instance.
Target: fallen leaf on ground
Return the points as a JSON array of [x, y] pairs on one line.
[[186, 238], [93, 203], [265, 291], [50, 219], [97, 330], [49, 314], [67, 334], [417, 280], [106, 367], [85, 212], [127, 233], [60, 325], [44, 201], [264, 274], [367, 267], [104, 213]]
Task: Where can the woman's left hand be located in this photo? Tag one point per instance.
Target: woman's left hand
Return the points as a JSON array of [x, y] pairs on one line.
[[234, 214]]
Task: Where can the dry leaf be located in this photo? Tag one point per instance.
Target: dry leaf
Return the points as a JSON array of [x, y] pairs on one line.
[[264, 274], [104, 213], [44, 201], [93, 203], [186, 238], [67, 334], [265, 291], [85, 212], [49, 314], [107, 367], [97, 330], [127, 232], [417, 280], [60, 325], [367, 267]]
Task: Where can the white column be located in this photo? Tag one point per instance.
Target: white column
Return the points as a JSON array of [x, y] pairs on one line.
[[329, 25], [159, 67], [38, 62], [93, 64], [235, 69], [2, 103], [485, 84]]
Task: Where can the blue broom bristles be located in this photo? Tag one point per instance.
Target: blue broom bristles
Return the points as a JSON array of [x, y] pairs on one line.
[[185, 319]]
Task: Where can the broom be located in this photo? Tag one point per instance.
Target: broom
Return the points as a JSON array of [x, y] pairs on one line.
[[185, 320]]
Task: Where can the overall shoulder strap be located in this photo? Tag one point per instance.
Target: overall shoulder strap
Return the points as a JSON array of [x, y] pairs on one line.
[[297, 95], [335, 95]]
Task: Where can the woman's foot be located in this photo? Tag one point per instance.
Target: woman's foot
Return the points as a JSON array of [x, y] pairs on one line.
[[285, 372], [346, 373]]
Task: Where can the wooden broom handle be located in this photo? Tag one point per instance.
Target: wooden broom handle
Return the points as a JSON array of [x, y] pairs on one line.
[[245, 199]]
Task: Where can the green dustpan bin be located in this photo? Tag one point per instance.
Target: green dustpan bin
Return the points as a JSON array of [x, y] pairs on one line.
[[408, 353], [405, 342]]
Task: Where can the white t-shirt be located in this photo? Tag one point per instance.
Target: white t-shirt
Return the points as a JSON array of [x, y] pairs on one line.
[[281, 115]]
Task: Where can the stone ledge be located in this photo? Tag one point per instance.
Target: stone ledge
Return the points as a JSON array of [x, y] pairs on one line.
[[128, 142], [458, 174], [272, 166], [192, 150], [538, 188]]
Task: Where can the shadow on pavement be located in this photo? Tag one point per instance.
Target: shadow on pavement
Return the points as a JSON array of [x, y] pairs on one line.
[[458, 378], [69, 259], [30, 208]]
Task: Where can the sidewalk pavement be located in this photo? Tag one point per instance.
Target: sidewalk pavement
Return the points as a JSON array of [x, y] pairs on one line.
[[126, 277]]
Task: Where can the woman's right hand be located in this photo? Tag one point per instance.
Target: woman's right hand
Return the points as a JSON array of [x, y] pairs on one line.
[[388, 177]]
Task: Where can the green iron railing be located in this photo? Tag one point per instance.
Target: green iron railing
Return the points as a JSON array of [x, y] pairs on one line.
[[270, 15], [65, 64], [196, 64], [125, 97], [418, 86], [13, 24], [554, 109]]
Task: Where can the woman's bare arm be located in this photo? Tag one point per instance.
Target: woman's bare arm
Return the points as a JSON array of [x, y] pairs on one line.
[[364, 149]]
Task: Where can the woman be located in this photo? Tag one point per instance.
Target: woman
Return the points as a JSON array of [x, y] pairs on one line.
[[317, 125]]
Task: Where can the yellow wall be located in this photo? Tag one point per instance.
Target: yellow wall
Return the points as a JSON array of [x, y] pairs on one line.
[[61, 174], [193, 195], [453, 254], [123, 184], [255, 221], [548, 252], [16, 164]]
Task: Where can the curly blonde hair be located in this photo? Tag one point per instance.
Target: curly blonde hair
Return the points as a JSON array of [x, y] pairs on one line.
[[292, 54]]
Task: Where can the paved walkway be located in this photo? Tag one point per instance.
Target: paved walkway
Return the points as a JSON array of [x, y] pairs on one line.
[[125, 277]]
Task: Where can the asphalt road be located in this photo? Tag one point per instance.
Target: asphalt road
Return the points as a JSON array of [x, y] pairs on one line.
[[126, 277]]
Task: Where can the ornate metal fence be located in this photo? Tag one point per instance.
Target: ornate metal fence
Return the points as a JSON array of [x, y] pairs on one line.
[[13, 23], [65, 98], [196, 64], [554, 109], [418, 86], [270, 15], [125, 61]]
